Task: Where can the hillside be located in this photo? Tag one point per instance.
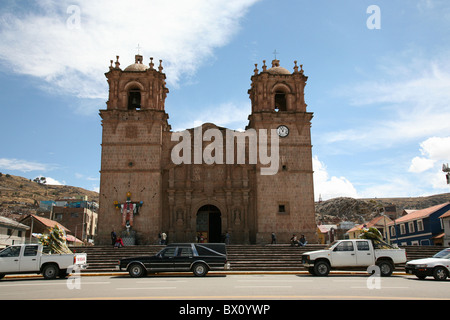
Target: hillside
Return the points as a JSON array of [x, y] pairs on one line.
[[363, 210], [21, 195]]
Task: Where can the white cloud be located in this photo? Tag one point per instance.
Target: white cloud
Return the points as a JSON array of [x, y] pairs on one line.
[[21, 165], [50, 181], [419, 164], [434, 150], [72, 54], [229, 115], [408, 101], [54, 182], [392, 186], [328, 188]]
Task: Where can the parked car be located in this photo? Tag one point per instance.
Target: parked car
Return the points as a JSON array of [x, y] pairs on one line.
[[30, 258], [437, 266], [198, 258], [352, 254]]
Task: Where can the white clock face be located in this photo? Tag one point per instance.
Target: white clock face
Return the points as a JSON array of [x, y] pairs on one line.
[[283, 131]]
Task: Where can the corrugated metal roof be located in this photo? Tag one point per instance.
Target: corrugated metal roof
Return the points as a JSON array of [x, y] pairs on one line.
[[10, 223]]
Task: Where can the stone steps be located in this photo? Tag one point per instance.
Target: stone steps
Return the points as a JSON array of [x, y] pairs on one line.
[[242, 257]]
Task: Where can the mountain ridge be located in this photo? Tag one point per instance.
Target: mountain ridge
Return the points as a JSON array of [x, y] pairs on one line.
[[19, 195]]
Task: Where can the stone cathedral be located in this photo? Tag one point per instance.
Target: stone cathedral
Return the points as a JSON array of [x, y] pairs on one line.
[[144, 192]]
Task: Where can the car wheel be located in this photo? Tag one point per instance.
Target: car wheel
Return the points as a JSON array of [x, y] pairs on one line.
[[321, 268], [136, 270], [200, 269], [50, 271], [440, 273], [386, 268]]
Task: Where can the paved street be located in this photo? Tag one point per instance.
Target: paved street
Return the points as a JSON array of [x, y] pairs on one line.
[[227, 287]]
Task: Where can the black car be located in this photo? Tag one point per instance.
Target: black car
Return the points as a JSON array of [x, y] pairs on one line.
[[196, 257]]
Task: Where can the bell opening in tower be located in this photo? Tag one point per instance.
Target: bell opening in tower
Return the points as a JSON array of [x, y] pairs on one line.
[[134, 99], [280, 101]]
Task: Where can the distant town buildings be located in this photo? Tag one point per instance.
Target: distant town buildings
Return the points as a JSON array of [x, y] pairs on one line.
[[76, 216], [381, 222]]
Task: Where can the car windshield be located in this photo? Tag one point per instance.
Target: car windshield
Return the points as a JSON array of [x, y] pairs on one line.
[[331, 244], [444, 254]]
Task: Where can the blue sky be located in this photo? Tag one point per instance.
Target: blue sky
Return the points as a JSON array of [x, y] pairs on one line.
[[379, 96]]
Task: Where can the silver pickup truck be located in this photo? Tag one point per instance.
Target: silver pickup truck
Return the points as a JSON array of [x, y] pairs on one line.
[[30, 258]]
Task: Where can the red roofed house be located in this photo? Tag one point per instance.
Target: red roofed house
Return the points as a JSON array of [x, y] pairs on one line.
[[39, 224], [420, 227], [326, 233]]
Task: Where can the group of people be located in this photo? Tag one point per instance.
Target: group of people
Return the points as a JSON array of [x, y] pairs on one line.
[[117, 241], [202, 239], [294, 240], [298, 242]]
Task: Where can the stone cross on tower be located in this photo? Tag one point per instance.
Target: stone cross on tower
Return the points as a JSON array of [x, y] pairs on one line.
[[139, 49], [275, 54]]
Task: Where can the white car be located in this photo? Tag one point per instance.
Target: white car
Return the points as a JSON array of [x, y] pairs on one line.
[[438, 266]]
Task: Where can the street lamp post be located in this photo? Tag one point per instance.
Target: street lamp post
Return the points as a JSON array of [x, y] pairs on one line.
[[446, 169]]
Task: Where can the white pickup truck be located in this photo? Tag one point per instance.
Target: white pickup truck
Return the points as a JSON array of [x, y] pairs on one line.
[[352, 254], [29, 258]]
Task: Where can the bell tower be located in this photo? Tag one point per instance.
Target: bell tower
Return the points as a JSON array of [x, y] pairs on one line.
[[284, 201], [132, 140]]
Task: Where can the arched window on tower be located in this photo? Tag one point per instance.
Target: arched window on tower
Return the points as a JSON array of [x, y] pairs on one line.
[[280, 101], [134, 99]]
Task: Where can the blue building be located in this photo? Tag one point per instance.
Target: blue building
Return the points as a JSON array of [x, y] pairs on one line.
[[420, 227]]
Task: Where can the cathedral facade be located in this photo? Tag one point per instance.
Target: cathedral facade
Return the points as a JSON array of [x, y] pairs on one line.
[[209, 181]]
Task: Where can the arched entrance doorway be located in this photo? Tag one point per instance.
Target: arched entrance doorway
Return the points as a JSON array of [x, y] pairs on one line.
[[209, 223]]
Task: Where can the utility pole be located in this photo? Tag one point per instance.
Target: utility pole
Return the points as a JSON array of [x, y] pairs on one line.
[[445, 168]]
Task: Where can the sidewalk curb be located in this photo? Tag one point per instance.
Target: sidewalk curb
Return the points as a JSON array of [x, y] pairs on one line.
[[123, 273]]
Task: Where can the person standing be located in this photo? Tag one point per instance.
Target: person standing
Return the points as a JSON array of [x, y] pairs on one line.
[[227, 238], [113, 237], [274, 238]]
